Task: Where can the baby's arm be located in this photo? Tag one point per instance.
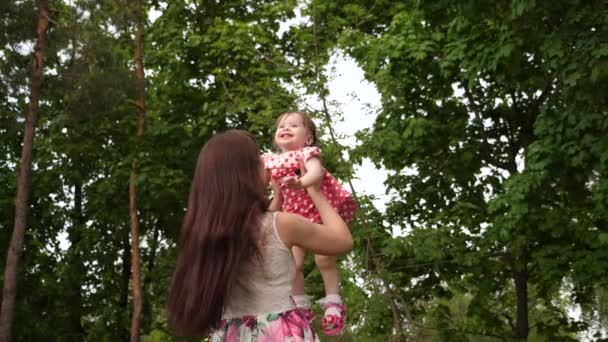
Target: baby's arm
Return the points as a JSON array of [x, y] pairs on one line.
[[314, 173]]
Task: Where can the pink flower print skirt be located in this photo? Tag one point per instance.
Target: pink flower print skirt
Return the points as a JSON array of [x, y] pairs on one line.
[[288, 326]]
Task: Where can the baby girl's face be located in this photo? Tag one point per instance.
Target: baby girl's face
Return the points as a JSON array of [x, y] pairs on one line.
[[291, 133]]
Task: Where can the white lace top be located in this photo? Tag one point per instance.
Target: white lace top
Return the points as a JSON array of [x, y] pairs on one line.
[[264, 287]]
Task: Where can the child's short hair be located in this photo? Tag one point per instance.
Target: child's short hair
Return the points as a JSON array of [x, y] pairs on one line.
[[308, 124]]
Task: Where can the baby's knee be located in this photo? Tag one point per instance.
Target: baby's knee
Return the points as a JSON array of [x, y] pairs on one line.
[[325, 262]]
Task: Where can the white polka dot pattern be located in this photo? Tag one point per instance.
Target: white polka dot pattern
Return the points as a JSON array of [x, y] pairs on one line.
[[297, 201]]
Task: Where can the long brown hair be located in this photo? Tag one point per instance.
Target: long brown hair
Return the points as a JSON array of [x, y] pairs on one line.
[[219, 233]]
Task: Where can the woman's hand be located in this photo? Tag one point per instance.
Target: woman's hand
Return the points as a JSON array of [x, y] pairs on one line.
[[274, 186], [277, 198]]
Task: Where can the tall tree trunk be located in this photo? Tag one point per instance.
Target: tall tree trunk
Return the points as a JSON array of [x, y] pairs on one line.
[[519, 270], [123, 299], [141, 111], [151, 263], [75, 264], [152, 256], [521, 291], [9, 291]]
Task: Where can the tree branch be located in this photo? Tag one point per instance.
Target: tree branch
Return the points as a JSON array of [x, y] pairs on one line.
[[397, 325], [486, 150]]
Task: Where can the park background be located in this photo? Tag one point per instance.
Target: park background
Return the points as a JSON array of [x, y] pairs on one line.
[[474, 133]]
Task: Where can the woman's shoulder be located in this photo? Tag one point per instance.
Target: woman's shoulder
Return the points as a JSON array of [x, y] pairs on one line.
[[289, 225], [275, 227]]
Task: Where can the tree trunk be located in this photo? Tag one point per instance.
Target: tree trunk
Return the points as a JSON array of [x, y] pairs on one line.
[[152, 256], [123, 299], [151, 263], [9, 291], [76, 269], [141, 114], [521, 291]]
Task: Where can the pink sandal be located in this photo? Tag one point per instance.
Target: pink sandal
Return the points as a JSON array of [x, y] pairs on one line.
[[305, 311], [333, 325]]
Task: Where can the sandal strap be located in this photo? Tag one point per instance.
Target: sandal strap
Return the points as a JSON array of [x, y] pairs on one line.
[[336, 321], [341, 307]]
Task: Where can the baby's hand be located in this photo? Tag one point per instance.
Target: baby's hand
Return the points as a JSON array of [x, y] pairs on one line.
[[293, 183]]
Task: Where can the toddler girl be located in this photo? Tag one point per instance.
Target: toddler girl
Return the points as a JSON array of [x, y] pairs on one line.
[[295, 136]]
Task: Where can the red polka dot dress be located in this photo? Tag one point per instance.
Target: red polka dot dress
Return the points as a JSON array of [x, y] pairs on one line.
[[297, 201]]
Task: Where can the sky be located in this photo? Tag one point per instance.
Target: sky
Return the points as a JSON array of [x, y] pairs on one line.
[[357, 100]]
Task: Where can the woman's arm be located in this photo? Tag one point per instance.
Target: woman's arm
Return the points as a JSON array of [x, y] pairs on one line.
[[277, 198], [332, 237]]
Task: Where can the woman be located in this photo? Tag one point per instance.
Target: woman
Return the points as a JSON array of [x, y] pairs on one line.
[[234, 269]]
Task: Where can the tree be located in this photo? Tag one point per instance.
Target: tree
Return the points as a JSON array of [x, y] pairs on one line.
[[79, 145], [492, 117], [76, 267], [141, 114], [212, 67], [22, 200]]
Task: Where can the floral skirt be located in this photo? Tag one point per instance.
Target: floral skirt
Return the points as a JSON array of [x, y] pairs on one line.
[[288, 326]]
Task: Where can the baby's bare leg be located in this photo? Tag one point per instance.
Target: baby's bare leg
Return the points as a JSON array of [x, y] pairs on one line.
[[329, 271], [334, 311]]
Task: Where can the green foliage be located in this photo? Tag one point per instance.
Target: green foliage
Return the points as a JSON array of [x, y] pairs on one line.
[[493, 125], [209, 68], [493, 121]]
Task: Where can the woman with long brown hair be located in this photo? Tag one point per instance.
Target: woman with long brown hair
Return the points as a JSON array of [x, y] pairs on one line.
[[234, 268]]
